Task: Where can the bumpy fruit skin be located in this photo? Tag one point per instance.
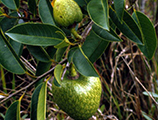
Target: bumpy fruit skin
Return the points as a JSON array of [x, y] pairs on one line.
[[66, 12], [79, 98]]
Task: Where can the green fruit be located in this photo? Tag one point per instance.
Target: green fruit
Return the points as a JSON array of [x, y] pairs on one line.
[[79, 98], [66, 12]]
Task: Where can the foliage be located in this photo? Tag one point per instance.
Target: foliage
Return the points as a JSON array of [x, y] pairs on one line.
[[117, 44]]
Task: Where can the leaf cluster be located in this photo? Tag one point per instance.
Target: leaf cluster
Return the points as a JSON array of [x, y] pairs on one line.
[[30, 26]]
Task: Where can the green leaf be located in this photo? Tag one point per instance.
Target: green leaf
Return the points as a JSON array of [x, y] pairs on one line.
[[82, 64], [71, 53], [151, 93], [9, 59], [8, 23], [11, 4], [83, 3], [62, 44], [41, 106], [51, 51], [42, 67], [94, 46], [46, 12], [36, 34], [106, 35], [119, 7], [129, 28], [146, 116], [149, 34], [39, 53], [58, 73], [18, 47], [32, 6], [13, 112], [132, 25], [98, 11], [34, 102], [59, 53]]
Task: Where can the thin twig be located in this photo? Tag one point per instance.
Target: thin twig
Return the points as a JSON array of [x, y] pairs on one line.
[[87, 30], [32, 83]]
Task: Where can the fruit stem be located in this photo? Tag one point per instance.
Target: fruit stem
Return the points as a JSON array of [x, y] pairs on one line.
[[76, 35], [72, 72]]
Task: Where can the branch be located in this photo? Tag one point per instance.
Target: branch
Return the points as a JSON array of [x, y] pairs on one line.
[[87, 30], [32, 83]]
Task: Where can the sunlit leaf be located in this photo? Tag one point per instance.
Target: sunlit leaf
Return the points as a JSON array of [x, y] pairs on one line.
[[34, 102], [41, 106], [8, 23], [58, 73]]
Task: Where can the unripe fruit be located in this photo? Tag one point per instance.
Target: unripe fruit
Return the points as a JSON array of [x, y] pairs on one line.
[[79, 98], [66, 12]]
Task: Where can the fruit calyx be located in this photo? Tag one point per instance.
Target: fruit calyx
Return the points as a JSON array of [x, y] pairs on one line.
[[76, 35], [73, 74]]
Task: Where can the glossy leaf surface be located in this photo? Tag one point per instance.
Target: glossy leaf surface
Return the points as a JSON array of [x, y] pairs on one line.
[[119, 7], [46, 12], [12, 112], [36, 34], [34, 102], [41, 106], [106, 35], [82, 64], [98, 11], [59, 53], [58, 73], [149, 34], [8, 23], [125, 27], [94, 46], [11, 4], [9, 59], [39, 53]]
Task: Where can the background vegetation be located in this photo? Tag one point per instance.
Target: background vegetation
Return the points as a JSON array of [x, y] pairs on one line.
[[126, 74]]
